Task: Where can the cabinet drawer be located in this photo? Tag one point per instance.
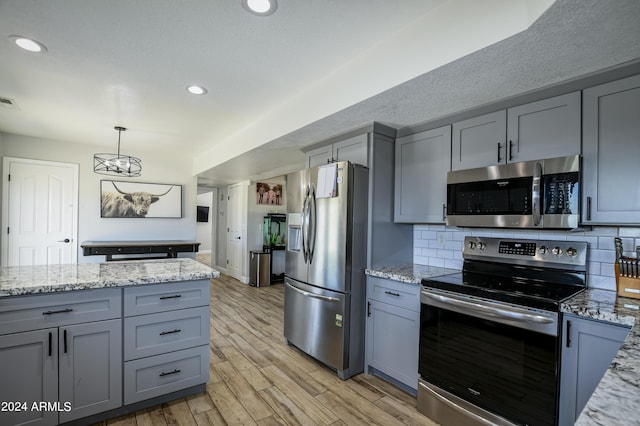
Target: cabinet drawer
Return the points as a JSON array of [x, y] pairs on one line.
[[154, 376], [149, 299], [23, 313], [403, 295], [154, 334]]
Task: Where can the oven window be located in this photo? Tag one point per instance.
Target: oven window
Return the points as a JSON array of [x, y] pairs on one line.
[[503, 369]]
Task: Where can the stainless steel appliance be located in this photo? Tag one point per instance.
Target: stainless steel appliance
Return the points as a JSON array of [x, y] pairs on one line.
[[490, 335], [529, 194], [324, 264]]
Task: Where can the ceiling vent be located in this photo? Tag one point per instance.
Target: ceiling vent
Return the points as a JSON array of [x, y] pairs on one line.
[[8, 103]]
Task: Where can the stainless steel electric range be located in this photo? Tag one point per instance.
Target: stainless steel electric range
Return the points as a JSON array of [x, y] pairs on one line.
[[490, 335]]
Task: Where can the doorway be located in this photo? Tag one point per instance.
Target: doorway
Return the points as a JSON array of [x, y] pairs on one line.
[[39, 212]]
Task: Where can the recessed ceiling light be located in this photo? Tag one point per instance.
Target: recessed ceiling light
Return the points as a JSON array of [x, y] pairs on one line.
[[197, 90], [28, 44], [260, 7]]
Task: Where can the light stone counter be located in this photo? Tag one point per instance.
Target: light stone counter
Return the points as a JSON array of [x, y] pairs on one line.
[[409, 273], [616, 400], [24, 280]]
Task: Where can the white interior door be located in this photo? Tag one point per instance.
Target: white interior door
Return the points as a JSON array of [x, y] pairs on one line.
[[40, 212], [235, 242]]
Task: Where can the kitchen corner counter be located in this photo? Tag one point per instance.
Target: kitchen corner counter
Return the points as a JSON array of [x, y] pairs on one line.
[[617, 397], [25, 280], [409, 273]]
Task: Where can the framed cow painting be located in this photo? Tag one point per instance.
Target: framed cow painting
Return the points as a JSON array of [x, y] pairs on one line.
[[123, 199]]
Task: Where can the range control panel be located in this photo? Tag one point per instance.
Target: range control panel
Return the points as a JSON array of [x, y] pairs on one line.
[[543, 253]]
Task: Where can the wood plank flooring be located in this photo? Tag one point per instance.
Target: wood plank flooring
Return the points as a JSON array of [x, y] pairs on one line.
[[257, 379]]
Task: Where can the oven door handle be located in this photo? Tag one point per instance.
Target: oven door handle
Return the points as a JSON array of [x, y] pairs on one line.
[[485, 311], [536, 189]]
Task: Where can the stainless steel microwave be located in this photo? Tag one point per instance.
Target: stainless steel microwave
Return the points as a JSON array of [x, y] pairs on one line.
[[528, 194]]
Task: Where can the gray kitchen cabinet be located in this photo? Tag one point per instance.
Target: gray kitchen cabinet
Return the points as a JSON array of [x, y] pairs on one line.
[[588, 349], [542, 129], [90, 368], [29, 363], [166, 338], [354, 149], [61, 348], [611, 153], [393, 330], [422, 161]]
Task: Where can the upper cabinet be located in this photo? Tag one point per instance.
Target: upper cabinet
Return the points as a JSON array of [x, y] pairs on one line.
[[355, 150], [611, 153], [422, 162], [543, 129]]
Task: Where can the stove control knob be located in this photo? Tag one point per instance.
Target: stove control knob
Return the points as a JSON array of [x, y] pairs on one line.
[[481, 245], [557, 251], [572, 252], [543, 249], [472, 245]]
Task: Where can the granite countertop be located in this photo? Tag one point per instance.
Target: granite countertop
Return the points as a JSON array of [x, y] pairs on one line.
[[617, 397], [409, 273], [24, 280]]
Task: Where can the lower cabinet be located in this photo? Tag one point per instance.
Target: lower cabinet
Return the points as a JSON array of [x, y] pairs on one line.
[[393, 327], [588, 349], [61, 374]]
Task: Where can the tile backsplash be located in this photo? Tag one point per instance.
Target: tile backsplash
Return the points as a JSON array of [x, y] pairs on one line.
[[440, 245]]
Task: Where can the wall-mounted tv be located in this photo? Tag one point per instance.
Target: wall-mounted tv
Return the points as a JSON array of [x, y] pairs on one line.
[[202, 214]]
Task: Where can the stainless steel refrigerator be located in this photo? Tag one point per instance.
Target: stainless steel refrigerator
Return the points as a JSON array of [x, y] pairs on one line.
[[324, 308]]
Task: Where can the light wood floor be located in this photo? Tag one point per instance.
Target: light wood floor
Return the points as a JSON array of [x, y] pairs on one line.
[[256, 379]]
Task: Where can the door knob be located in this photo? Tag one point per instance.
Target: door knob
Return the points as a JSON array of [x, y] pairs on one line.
[[66, 240], [238, 237]]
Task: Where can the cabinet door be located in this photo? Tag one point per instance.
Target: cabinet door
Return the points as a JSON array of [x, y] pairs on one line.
[[319, 156], [90, 368], [392, 341], [422, 163], [479, 141], [352, 149], [589, 347], [611, 153], [29, 374], [544, 129]]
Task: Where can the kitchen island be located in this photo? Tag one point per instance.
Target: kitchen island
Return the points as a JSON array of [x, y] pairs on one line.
[[82, 343]]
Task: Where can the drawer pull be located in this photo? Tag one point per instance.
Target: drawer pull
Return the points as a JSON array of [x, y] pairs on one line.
[[61, 311], [177, 330], [168, 373], [392, 293], [175, 296]]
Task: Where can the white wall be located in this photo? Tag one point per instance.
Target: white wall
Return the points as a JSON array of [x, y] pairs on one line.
[[157, 167], [439, 245], [204, 230]]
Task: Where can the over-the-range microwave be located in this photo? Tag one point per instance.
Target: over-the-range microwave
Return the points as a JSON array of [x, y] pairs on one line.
[[528, 194]]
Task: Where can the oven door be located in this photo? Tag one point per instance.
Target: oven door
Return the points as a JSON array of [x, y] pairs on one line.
[[499, 357]]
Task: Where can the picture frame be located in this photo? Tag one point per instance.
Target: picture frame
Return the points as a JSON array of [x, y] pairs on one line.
[[269, 194], [124, 199]]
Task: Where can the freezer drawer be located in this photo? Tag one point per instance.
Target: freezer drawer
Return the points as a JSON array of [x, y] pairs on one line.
[[316, 321]]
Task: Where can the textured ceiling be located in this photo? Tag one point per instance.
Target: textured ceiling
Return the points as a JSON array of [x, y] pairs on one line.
[[278, 84]]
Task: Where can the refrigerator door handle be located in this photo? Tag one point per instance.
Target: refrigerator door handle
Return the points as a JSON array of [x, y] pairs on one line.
[[304, 224], [313, 295], [312, 222]]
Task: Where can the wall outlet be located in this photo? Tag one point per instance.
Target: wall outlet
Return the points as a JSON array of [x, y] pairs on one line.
[[441, 239]]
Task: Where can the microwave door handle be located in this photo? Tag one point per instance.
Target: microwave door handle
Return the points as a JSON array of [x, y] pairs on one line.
[[536, 184]]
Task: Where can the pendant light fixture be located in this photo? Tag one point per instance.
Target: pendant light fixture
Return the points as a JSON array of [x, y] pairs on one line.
[[117, 164]]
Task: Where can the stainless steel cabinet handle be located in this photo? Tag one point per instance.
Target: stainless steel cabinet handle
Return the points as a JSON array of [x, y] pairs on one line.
[[61, 311], [535, 194], [176, 371], [177, 330], [588, 208], [315, 296]]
